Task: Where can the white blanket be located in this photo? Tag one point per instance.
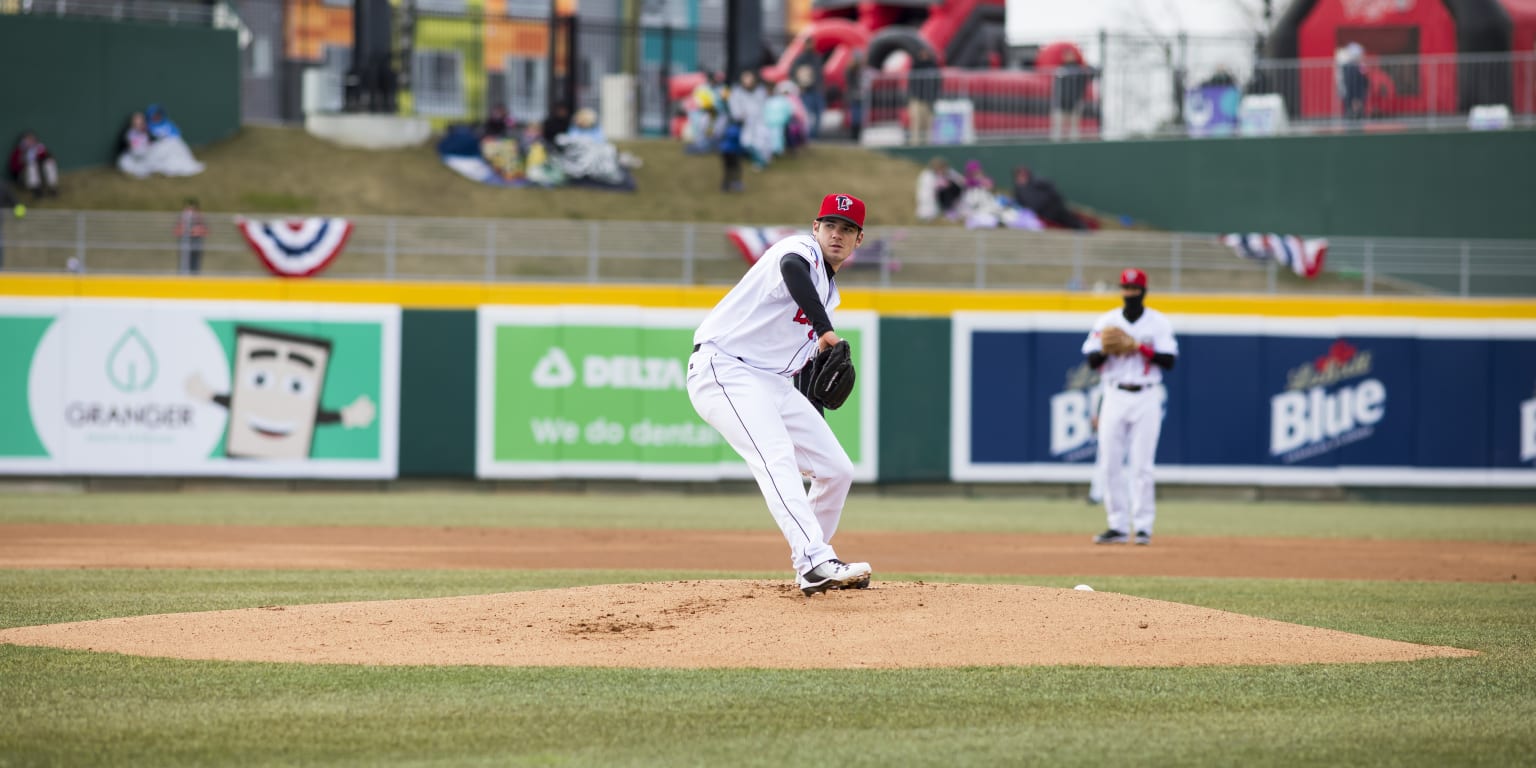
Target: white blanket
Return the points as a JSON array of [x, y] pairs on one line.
[[167, 157]]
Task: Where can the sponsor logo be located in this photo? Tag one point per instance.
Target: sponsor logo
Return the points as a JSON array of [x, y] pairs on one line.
[[106, 389], [555, 371], [131, 368], [1072, 409], [1310, 419], [131, 365]]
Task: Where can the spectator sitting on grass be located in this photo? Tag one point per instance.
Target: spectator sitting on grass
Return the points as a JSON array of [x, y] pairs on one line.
[[33, 167], [169, 154]]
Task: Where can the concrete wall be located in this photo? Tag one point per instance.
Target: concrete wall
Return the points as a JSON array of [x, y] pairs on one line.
[[1461, 185]]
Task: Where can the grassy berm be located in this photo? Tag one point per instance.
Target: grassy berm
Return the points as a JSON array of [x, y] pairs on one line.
[[285, 170]]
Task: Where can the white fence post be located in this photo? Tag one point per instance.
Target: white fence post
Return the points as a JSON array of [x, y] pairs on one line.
[[80, 240], [1369, 270], [1178, 258], [490, 250], [1466, 268], [593, 238], [688, 256], [981, 261], [389, 248]]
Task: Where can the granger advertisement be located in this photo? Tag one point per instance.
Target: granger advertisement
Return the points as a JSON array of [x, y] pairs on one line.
[[599, 392], [137, 387], [1258, 401]]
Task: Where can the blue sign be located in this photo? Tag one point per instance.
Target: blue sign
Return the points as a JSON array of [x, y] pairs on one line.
[[1253, 406], [1211, 110]]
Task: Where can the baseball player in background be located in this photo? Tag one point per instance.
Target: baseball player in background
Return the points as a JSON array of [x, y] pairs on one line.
[[1130, 347], [745, 355]]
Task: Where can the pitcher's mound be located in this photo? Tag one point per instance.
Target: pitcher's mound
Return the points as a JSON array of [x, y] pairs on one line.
[[736, 624]]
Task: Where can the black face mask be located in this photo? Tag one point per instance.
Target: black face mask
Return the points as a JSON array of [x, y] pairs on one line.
[[1133, 307]]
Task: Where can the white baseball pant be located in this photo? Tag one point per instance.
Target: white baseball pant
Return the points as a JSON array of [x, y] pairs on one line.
[[782, 438], [1129, 426]]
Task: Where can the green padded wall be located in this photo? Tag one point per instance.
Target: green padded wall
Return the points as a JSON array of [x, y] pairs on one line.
[[437, 393], [1459, 185], [75, 83], [914, 399]]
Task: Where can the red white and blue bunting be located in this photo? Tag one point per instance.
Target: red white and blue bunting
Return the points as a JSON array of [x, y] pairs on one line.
[[752, 242], [1303, 256], [296, 247]]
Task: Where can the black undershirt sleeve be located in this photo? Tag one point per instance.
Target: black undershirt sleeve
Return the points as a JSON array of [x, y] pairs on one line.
[[1096, 360], [1163, 360], [797, 277]]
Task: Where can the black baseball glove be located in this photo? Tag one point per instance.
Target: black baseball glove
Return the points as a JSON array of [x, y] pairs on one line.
[[827, 379]]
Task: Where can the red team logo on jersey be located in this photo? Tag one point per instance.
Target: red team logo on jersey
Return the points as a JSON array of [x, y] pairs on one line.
[[803, 320]]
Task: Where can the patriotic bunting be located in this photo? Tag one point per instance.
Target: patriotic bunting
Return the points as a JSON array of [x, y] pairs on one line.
[[752, 242], [1303, 256], [296, 247]]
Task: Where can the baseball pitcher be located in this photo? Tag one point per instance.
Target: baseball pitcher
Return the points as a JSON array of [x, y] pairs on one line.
[[775, 323]]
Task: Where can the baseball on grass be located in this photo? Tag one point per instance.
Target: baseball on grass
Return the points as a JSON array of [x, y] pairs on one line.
[[1083, 588]]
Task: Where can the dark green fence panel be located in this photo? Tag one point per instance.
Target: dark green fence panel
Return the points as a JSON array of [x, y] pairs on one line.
[[437, 393], [1459, 184], [914, 399], [75, 83]]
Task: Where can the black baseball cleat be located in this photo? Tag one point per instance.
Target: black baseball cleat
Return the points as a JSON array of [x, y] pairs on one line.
[[1111, 536], [834, 574], [1143, 538]]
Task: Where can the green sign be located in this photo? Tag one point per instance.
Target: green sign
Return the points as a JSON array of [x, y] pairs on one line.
[[138, 387], [602, 393]]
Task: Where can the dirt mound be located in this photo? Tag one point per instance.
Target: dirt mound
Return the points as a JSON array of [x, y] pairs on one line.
[[735, 624]]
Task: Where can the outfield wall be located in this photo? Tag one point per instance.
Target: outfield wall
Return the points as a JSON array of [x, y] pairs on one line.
[[75, 82], [546, 382], [1461, 184]]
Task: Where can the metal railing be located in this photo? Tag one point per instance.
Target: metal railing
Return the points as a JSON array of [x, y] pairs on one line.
[[1396, 93], [700, 254], [1139, 85], [190, 12]]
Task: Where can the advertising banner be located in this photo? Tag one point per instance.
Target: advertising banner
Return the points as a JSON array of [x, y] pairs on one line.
[[244, 389], [599, 392], [1352, 401]]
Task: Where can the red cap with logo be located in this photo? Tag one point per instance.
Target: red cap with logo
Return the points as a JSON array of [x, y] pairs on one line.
[[1134, 277], [845, 207]]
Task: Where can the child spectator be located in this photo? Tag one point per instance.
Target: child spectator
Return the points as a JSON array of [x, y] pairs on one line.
[[134, 146], [190, 232]]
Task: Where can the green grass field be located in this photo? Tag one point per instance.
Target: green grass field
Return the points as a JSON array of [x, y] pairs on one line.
[[77, 708]]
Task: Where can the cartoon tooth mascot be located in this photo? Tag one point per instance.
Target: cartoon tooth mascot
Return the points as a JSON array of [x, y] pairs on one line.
[[274, 404]]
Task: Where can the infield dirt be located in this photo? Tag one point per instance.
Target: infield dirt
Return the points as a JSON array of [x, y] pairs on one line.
[[714, 624], [727, 623]]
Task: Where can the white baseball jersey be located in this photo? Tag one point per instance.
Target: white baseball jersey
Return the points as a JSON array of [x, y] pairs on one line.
[[1152, 328], [739, 382], [759, 322]]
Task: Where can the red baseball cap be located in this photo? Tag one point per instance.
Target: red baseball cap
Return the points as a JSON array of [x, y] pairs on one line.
[[845, 207], [1134, 277]]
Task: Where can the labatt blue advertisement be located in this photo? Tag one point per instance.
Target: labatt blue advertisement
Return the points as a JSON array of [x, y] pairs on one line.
[[1252, 400]]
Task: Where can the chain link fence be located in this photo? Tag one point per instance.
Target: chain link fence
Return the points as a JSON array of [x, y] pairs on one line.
[[681, 253]]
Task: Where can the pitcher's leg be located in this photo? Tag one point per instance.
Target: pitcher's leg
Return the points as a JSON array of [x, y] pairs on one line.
[[742, 406], [823, 458]]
